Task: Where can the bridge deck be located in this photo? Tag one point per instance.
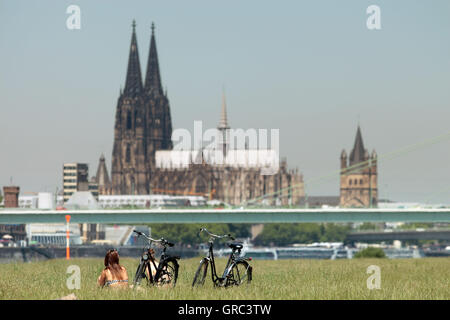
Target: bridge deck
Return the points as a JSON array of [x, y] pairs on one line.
[[225, 216]]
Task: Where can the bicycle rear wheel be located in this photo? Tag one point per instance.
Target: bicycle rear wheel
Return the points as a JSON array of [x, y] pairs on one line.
[[167, 274], [239, 273], [200, 274]]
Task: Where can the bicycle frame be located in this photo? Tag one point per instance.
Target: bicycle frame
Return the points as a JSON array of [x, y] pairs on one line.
[[210, 258], [151, 260], [148, 258]]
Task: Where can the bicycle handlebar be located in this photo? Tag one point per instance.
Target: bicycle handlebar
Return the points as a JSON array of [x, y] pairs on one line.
[[215, 235], [162, 240]]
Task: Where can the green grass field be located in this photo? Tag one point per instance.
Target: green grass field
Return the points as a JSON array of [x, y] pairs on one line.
[[282, 279]]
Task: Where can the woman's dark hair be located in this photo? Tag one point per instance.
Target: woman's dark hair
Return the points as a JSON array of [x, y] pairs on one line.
[[112, 261]]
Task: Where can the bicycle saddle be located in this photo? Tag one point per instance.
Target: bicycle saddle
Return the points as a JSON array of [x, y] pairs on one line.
[[235, 245]]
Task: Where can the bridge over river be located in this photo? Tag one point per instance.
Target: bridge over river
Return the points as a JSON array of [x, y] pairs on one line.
[[252, 216]]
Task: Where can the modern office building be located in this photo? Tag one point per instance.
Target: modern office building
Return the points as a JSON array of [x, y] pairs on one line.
[[52, 234], [75, 178]]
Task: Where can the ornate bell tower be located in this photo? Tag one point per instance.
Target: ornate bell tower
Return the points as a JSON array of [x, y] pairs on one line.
[[359, 176]]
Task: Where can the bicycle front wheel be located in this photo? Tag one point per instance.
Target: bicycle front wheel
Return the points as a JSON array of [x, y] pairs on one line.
[[140, 273], [200, 274], [167, 274], [239, 273]]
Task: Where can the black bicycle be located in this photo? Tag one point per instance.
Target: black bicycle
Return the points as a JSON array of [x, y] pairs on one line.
[[237, 271], [165, 273]]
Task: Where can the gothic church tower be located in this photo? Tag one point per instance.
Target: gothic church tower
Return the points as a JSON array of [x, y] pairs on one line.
[[359, 176], [159, 121], [142, 126]]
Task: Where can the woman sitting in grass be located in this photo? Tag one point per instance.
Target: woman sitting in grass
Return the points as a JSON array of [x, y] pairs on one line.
[[114, 275]]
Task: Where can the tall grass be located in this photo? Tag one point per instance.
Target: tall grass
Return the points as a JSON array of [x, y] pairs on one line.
[[426, 278]]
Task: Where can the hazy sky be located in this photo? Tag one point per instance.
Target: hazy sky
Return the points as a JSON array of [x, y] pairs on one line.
[[309, 68]]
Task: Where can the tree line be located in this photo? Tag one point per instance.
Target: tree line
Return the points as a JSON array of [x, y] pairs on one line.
[[273, 234]]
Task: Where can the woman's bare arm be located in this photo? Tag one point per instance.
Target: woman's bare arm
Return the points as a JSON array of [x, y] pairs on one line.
[[124, 273], [102, 278]]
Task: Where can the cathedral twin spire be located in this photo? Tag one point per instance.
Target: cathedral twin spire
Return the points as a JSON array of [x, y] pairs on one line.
[[143, 123], [133, 83], [152, 77]]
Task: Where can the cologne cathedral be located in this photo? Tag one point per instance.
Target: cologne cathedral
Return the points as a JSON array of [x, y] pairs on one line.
[[144, 161]]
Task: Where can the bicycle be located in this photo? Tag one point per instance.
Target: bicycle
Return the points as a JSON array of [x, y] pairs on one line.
[[167, 269], [237, 270]]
